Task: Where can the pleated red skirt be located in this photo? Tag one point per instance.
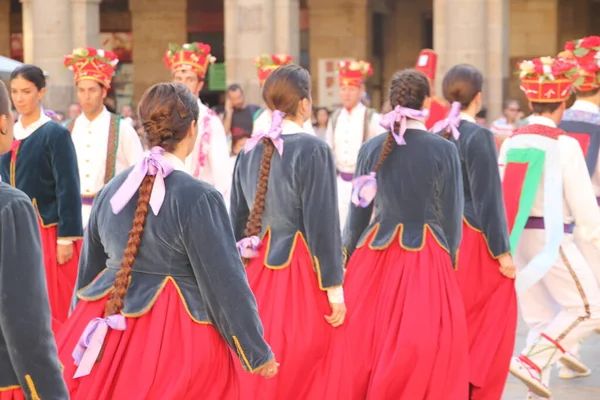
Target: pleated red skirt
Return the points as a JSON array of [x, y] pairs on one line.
[[60, 278], [311, 353], [406, 327], [491, 309], [12, 394], [162, 355]]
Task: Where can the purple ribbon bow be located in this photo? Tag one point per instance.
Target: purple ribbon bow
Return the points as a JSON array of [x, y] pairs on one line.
[[400, 115], [248, 247], [364, 189], [274, 134], [90, 343], [153, 163], [451, 123]]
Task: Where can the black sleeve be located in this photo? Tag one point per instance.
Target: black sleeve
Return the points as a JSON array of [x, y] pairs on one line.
[[481, 160], [66, 176], [321, 217], [238, 208], [358, 217], [222, 281], [452, 198], [25, 319]]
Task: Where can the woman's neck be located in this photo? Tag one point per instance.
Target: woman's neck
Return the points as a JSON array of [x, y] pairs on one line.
[[471, 111], [29, 119], [297, 120]]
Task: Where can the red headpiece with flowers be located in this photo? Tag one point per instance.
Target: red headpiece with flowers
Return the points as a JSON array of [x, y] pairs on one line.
[[586, 52], [92, 64], [266, 64], [547, 80], [354, 73], [190, 57]]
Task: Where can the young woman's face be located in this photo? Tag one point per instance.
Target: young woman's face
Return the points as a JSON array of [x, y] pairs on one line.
[[25, 95], [322, 117]]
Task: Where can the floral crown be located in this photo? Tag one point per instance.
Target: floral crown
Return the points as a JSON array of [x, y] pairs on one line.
[[190, 56], [272, 60], [546, 79], [82, 54], [363, 67], [586, 52]]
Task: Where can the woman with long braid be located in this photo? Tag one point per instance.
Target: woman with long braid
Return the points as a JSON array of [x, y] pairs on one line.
[[162, 299], [406, 322], [284, 213]]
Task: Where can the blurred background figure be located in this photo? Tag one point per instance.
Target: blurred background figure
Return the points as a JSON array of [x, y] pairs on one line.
[[239, 117], [504, 126], [321, 120], [127, 114], [481, 117]]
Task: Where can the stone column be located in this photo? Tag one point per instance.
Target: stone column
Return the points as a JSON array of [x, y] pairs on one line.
[[86, 23], [155, 24], [255, 27], [46, 40], [498, 68], [5, 28]]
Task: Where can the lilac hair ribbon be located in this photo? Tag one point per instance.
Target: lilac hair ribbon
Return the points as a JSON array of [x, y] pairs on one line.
[[274, 134], [451, 123], [90, 343], [401, 115], [50, 114], [248, 247], [153, 163], [364, 189]]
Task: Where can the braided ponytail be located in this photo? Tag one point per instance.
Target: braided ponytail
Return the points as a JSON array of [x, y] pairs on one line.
[[115, 301]]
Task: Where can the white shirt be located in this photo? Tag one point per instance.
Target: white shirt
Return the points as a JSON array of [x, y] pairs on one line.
[[216, 170], [348, 136], [579, 201], [91, 141], [178, 165], [20, 132], [584, 105], [263, 123], [466, 117]]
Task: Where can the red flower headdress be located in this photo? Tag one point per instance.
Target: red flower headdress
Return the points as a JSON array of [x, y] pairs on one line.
[[354, 73], [547, 80], [266, 64], [191, 57], [94, 64]]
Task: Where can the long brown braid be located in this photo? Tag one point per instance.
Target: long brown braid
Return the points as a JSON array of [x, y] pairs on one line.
[[283, 90], [167, 111]]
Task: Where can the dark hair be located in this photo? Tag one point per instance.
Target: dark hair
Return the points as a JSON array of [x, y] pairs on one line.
[[462, 83], [4, 100], [409, 88], [31, 73], [283, 89], [234, 87], [587, 94], [508, 102], [482, 113], [542, 108], [167, 110], [317, 109]]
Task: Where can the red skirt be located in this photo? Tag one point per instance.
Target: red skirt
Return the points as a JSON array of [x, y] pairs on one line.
[[491, 309], [311, 353], [162, 355], [12, 394], [406, 330], [60, 278]]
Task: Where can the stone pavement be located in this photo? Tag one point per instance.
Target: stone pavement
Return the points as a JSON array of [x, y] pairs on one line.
[[574, 389]]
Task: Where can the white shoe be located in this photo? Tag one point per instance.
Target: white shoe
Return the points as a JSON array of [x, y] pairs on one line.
[[571, 362], [566, 373], [529, 376]]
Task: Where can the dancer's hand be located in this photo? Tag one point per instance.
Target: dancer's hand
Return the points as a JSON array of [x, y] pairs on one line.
[[507, 267], [64, 252], [338, 314], [268, 370]]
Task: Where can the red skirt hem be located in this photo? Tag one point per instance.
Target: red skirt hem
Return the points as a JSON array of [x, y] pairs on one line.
[[12, 394]]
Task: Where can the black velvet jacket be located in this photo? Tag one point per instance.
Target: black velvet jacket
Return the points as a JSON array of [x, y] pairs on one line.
[[28, 355], [301, 201], [484, 205], [419, 187], [46, 170], [189, 243]]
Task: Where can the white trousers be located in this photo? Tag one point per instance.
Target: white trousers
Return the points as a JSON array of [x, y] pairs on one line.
[[344, 190], [590, 253], [564, 306]]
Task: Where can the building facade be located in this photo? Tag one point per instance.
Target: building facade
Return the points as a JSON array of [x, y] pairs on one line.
[[490, 34]]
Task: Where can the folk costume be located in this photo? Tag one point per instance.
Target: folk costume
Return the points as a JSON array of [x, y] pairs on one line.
[[106, 145], [347, 130], [29, 365], [406, 324], [546, 190], [187, 304], [42, 163], [489, 297], [439, 109], [209, 161], [266, 64], [295, 269]]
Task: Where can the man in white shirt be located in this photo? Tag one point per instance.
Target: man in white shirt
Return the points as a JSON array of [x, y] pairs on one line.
[[105, 144], [209, 160], [349, 127]]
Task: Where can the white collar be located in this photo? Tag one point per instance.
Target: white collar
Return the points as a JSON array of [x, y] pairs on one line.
[[20, 132], [359, 106], [467, 118], [98, 117], [178, 165], [539, 120], [584, 105], [415, 124], [290, 127]]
